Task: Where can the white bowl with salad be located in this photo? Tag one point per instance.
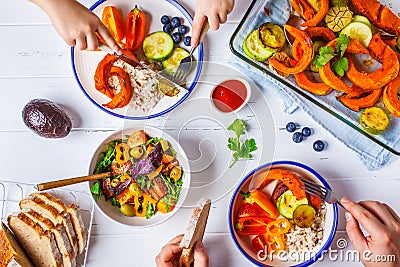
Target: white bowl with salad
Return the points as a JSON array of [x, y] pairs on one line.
[[149, 176], [276, 223]]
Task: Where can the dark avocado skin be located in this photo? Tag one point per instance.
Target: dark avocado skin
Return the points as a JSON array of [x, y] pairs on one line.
[[46, 119]]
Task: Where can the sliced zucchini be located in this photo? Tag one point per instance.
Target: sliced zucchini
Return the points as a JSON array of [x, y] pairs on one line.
[[374, 120], [171, 64], [338, 17], [359, 31], [167, 88], [287, 203], [341, 3], [304, 216], [254, 48], [272, 35], [158, 46], [362, 19]]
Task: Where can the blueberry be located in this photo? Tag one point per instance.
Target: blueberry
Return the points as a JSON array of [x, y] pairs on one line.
[[175, 22], [297, 137], [177, 37], [187, 40], [291, 127], [167, 28], [306, 131], [165, 19], [318, 145], [183, 29]]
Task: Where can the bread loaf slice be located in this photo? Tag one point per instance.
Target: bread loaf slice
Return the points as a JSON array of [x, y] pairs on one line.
[[40, 245], [51, 213], [11, 253], [60, 234], [79, 227]]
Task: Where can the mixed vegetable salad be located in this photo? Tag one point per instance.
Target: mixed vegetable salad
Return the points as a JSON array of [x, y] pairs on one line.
[[324, 46], [160, 46], [267, 221], [145, 175]]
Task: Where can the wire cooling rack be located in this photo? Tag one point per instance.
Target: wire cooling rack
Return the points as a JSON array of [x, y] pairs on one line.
[[11, 194]]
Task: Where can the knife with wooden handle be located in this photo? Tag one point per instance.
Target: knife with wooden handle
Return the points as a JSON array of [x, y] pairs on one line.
[[194, 231]]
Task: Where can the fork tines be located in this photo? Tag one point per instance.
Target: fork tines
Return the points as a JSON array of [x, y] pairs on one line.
[[314, 189]]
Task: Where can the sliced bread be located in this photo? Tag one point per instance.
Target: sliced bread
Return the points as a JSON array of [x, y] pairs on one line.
[[11, 253], [40, 245], [60, 233], [80, 229], [50, 212]]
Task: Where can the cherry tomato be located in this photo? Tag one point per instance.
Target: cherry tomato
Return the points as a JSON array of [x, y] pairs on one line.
[[137, 138]]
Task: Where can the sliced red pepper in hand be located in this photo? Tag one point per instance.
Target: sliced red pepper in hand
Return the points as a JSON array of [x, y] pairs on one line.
[[135, 28], [118, 168], [263, 201], [252, 225], [122, 98], [114, 22]]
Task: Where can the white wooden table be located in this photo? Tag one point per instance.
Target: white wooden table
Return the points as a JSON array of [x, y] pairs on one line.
[[35, 63]]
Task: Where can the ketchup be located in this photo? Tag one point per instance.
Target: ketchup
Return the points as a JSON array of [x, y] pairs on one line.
[[229, 95]]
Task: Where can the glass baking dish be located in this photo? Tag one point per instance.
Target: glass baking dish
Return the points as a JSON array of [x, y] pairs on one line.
[[254, 17]]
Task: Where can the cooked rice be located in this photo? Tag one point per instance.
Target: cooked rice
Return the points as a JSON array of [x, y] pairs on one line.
[[306, 239], [144, 85]]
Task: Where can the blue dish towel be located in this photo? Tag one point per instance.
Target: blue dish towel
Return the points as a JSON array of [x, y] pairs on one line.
[[372, 155]]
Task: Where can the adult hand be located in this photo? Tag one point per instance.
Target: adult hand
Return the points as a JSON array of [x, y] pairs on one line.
[[215, 11], [170, 254], [76, 24], [383, 227]]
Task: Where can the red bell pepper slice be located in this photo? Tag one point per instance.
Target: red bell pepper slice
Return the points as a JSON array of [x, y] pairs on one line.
[[122, 98], [259, 245], [263, 201], [135, 28], [114, 22], [247, 209], [252, 225]]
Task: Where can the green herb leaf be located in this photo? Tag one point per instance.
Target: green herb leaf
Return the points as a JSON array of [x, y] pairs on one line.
[[95, 189], [115, 202], [326, 53], [233, 144], [341, 66], [342, 43], [151, 210], [238, 127], [245, 194]]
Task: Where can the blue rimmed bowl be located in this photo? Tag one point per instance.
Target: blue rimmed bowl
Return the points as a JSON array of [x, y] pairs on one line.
[[296, 258], [84, 63]]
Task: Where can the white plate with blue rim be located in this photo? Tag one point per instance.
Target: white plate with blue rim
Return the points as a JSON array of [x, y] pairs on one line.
[[84, 63]]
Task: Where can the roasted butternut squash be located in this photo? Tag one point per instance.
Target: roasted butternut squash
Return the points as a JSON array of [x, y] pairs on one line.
[[313, 87], [363, 102], [379, 78], [390, 97], [304, 61]]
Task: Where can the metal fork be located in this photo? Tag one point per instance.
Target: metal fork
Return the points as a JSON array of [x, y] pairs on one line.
[[186, 63], [321, 192]]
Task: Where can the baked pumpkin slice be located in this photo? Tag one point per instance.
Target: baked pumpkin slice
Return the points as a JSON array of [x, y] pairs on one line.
[[304, 61], [365, 101], [317, 88], [382, 53], [390, 97]]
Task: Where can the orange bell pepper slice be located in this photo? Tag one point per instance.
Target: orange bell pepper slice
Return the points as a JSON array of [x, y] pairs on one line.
[[278, 227], [135, 28], [114, 22], [263, 201], [122, 98], [306, 58]]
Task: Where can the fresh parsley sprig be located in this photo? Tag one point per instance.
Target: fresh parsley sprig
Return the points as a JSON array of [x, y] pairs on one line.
[[240, 150], [326, 53]]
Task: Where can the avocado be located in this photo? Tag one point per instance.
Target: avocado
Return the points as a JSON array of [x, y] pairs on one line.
[[46, 119]]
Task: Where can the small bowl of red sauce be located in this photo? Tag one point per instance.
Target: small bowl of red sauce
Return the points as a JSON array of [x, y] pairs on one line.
[[231, 95]]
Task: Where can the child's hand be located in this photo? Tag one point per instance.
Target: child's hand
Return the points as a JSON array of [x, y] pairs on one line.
[[216, 11], [76, 24]]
